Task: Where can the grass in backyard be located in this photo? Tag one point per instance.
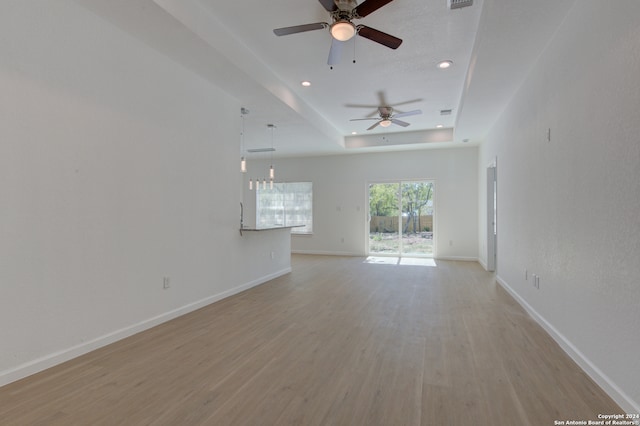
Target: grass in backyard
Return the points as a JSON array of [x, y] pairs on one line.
[[389, 243]]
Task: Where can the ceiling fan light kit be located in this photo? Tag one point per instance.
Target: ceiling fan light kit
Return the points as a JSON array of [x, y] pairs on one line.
[[343, 30]]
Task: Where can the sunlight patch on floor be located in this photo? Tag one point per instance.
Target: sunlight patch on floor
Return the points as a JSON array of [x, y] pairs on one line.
[[412, 261]]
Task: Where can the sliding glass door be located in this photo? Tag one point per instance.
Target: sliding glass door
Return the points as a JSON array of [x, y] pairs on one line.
[[401, 218]]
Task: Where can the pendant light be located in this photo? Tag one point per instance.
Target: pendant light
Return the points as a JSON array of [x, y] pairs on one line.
[[272, 172], [243, 161]]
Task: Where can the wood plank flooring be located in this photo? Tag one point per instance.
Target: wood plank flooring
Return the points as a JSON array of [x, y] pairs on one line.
[[339, 341]]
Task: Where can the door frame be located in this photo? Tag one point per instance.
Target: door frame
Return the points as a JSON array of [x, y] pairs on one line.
[[368, 218], [492, 216]]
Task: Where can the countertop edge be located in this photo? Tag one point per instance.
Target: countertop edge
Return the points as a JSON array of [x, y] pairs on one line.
[[270, 228]]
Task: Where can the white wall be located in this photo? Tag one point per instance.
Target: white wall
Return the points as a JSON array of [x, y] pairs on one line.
[[568, 208], [113, 175], [340, 196]]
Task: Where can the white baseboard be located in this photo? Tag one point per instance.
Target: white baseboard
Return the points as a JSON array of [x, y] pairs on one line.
[[483, 264], [64, 355], [348, 253], [461, 258], [328, 253], [619, 396]]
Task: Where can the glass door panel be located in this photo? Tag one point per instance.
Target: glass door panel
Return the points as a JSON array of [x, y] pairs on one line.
[[384, 236], [417, 219]]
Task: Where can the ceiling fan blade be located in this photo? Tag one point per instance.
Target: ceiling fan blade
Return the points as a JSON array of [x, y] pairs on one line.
[[369, 6], [375, 112], [408, 113], [399, 122], [360, 106], [330, 5], [374, 125], [360, 119], [335, 53], [300, 28], [412, 101], [379, 37]]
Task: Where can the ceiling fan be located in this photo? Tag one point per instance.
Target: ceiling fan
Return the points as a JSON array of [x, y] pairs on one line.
[[343, 12], [387, 117]]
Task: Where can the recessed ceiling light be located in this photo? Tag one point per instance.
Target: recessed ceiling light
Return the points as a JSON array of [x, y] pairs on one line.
[[445, 64], [439, 126], [354, 133], [306, 83]]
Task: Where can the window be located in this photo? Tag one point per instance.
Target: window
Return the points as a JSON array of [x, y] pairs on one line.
[[287, 204]]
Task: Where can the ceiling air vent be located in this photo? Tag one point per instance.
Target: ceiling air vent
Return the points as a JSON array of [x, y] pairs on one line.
[[457, 4], [445, 112]]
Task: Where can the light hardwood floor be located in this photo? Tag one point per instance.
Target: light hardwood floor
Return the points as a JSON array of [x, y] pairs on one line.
[[339, 341]]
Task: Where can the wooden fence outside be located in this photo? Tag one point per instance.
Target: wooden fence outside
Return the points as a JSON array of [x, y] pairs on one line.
[[390, 224]]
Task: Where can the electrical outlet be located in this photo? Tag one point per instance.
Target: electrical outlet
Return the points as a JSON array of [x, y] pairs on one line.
[[526, 275], [166, 283]]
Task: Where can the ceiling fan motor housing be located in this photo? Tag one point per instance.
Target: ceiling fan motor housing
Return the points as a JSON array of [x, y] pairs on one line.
[[346, 5], [457, 4]]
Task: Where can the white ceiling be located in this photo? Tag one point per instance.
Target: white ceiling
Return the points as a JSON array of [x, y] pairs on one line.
[[492, 44]]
